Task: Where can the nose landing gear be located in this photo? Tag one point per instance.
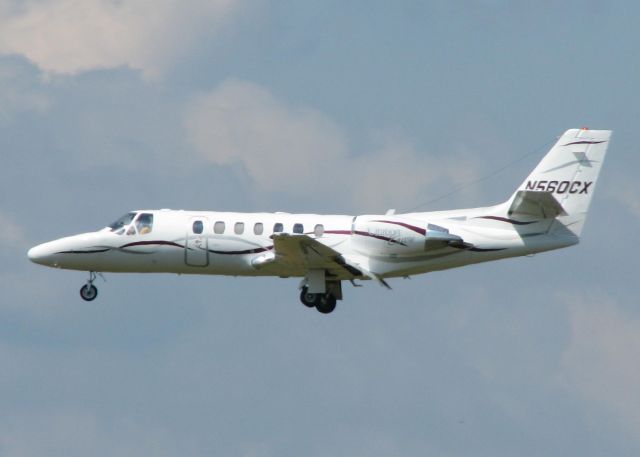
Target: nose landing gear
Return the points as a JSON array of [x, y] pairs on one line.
[[89, 292]]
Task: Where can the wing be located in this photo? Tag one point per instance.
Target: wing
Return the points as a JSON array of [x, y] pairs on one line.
[[297, 254]]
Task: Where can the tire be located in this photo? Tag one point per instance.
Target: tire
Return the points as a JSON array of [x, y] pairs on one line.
[[307, 299], [88, 293], [326, 304]]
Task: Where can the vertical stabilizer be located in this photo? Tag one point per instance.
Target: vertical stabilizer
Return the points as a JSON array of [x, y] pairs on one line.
[[569, 173]]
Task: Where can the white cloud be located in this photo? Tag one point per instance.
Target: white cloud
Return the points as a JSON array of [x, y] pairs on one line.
[[601, 362], [281, 147], [70, 36], [13, 235], [20, 90], [299, 150], [398, 175]]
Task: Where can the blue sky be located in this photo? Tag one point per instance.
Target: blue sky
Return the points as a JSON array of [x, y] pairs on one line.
[[332, 107]]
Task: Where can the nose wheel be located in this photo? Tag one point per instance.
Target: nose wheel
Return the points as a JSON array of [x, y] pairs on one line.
[[89, 292]]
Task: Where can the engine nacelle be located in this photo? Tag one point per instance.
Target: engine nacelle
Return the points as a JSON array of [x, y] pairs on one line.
[[399, 236]]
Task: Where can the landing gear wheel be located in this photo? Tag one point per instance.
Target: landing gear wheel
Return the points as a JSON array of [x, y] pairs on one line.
[[307, 299], [88, 292], [326, 304]]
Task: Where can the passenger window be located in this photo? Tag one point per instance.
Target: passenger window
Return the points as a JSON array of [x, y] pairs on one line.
[[318, 230], [198, 227], [239, 228], [218, 227], [144, 223], [278, 227], [258, 228], [298, 228]]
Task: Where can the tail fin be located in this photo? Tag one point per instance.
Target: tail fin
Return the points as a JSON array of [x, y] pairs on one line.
[[563, 183]]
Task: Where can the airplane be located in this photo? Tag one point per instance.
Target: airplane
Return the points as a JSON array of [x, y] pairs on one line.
[[546, 212]]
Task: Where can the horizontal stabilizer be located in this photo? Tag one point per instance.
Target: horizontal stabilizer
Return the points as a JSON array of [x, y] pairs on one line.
[[538, 204]]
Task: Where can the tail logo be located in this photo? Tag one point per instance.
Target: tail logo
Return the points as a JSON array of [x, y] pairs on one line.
[[560, 187], [584, 142]]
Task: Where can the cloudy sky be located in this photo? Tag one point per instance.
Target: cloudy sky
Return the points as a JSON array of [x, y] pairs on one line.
[[107, 106]]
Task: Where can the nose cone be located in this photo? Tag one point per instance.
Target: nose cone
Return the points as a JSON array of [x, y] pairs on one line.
[[40, 254], [73, 252]]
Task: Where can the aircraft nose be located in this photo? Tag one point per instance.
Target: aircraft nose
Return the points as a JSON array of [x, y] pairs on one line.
[[39, 254]]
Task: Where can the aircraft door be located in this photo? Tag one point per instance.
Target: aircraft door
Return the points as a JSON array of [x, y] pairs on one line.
[[196, 252]]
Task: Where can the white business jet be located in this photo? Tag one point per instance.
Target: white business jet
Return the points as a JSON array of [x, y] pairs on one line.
[[546, 212]]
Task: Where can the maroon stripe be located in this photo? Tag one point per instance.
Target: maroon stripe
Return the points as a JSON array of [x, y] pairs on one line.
[[419, 230], [361, 233], [504, 219], [247, 251], [88, 251], [338, 232], [585, 142], [476, 249], [149, 243]]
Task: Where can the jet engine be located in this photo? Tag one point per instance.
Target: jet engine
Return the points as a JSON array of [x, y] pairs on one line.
[[400, 237]]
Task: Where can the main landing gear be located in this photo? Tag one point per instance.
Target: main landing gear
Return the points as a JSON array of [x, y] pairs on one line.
[[324, 303], [89, 292]]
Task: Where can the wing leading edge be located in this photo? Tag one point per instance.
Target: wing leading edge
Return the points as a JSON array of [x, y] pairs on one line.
[[297, 254]]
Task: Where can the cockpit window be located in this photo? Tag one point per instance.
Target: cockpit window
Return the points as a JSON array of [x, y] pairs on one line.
[[122, 222], [144, 223]]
